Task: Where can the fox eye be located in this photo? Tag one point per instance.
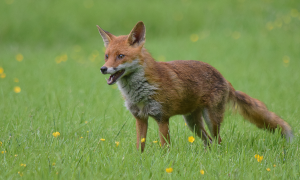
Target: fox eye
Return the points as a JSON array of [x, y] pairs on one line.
[[120, 56], [106, 56]]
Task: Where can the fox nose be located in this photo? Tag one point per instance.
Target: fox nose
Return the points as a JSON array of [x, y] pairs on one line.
[[103, 69]]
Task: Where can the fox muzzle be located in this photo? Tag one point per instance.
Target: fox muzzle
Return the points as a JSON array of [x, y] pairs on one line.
[[103, 69]]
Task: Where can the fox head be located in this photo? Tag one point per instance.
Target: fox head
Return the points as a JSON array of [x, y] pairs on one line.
[[122, 53]]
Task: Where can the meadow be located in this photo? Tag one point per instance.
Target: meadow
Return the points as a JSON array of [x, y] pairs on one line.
[[60, 120]]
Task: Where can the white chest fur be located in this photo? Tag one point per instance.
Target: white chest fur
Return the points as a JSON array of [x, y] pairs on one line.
[[137, 92]]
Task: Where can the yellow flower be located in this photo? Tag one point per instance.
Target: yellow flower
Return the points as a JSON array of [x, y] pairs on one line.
[[191, 139], [0, 143], [294, 13], [258, 157], [286, 61], [19, 57], [194, 37], [24, 165], [16, 155], [236, 35], [102, 139], [274, 165], [117, 143], [81, 137], [57, 60], [17, 89], [143, 140], [16, 80], [268, 169], [269, 26], [3, 152], [56, 134], [87, 131], [161, 58], [21, 174], [62, 58], [169, 170], [185, 124], [201, 172], [93, 56], [85, 122], [2, 75], [154, 141], [53, 164]]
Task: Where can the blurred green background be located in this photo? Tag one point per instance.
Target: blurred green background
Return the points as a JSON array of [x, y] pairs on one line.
[[50, 56], [49, 23], [254, 44]]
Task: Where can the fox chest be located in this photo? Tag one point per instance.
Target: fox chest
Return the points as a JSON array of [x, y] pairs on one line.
[[138, 98]]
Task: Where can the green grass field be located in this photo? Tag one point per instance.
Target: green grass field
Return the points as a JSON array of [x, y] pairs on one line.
[[50, 56]]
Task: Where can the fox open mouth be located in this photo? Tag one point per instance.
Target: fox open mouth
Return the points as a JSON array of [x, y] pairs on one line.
[[114, 77]]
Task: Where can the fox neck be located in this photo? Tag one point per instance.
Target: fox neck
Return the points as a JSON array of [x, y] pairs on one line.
[[135, 86], [138, 91]]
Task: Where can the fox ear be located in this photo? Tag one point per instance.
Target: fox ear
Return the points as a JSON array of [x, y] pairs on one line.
[[106, 36], [137, 35]]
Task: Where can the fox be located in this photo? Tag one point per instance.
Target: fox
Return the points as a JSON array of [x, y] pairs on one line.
[[191, 88]]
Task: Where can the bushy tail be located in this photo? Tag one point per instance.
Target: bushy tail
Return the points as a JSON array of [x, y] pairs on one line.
[[257, 113]]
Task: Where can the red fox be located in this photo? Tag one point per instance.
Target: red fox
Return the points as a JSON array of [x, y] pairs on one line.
[[190, 88]]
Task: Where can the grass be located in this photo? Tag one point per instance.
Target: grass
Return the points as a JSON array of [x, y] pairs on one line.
[[255, 45]]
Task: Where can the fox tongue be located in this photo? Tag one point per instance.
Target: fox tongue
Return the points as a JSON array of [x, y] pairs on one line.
[[111, 79], [114, 77]]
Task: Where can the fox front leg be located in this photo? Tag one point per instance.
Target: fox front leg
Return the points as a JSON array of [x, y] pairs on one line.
[[141, 132], [164, 134]]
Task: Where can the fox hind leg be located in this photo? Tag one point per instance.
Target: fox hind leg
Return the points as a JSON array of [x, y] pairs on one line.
[[195, 124], [213, 118], [207, 120]]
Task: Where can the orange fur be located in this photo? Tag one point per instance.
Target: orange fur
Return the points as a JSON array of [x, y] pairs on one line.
[[193, 89]]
